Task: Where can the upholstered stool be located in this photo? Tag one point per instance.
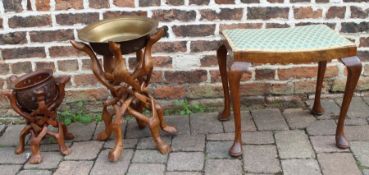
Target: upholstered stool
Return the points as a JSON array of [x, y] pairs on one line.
[[315, 43]]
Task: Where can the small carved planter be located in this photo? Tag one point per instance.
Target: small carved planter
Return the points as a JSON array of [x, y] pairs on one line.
[[35, 97]]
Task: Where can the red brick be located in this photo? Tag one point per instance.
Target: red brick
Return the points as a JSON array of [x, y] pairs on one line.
[[64, 51], [157, 77], [45, 65], [4, 68], [169, 92], [68, 4], [23, 52], [196, 91], [275, 1], [86, 64], [336, 12], [253, 89], [193, 76], [276, 25], [352, 27], [78, 18], [224, 1], [173, 14], [223, 14], [267, 12], [49, 36], [199, 2], [282, 88], [12, 5], [29, 21], [363, 55], [215, 76], [68, 65], [147, 3], [240, 26], [358, 12], [175, 2], [306, 86], [13, 38], [297, 1], [85, 80], [264, 74], [200, 46], [124, 3], [42, 5], [307, 12], [305, 72], [21, 67], [250, 1], [209, 61], [330, 25], [108, 15], [1, 23], [99, 4], [86, 95], [322, 1], [364, 42], [159, 61], [194, 30], [169, 47]]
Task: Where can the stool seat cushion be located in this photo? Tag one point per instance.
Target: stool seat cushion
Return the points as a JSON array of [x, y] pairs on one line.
[[306, 42]]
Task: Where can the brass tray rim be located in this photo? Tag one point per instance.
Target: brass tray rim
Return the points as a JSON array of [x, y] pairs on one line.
[[83, 32]]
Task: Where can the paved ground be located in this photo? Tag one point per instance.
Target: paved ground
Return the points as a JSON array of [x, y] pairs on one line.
[[276, 141]]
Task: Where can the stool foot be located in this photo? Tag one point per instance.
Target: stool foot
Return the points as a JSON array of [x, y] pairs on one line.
[[236, 149], [341, 142], [317, 107]]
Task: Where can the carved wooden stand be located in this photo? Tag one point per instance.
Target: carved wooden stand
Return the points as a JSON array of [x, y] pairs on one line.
[[129, 92], [38, 121]]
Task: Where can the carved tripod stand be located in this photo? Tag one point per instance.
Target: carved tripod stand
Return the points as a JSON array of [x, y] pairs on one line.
[[39, 119], [129, 92]]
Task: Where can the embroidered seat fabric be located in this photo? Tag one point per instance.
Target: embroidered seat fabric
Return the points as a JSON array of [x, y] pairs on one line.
[[297, 39]]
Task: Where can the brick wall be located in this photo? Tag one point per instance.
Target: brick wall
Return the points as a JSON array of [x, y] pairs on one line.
[[34, 34]]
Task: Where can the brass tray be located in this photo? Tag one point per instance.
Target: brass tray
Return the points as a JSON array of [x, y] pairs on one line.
[[131, 32]]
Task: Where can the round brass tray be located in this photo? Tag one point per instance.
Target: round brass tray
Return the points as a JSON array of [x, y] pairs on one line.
[[131, 32]]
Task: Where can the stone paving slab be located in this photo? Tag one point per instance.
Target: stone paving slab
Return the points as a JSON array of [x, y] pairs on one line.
[[254, 138], [35, 172], [357, 133], [300, 167], [185, 161], [358, 108], [217, 150], [84, 150], [50, 160], [325, 144], [322, 127], [261, 159], [128, 143], [133, 132], [149, 156], [82, 132], [247, 124], [188, 143], [148, 143], [101, 126], [143, 169], [8, 156], [331, 109], [338, 164], [205, 123], [293, 144], [11, 135], [298, 118], [74, 168], [182, 123], [269, 119], [361, 152], [9, 169], [183, 173], [103, 166], [223, 167]]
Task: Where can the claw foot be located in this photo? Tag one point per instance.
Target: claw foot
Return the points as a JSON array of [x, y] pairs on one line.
[[223, 116], [170, 130], [65, 151], [102, 136], [341, 142], [69, 136], [164, 148], [35, 159], [19, 150], [114, 154]]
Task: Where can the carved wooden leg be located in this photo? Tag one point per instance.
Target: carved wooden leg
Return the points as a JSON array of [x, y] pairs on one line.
[[139, 107], [163, 125], [234, 75], [67, 135], [60, 139], [107, 118], [154, 124], [35, 146], [317, 108], [353, 65], [25, 131], [222, 61]]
